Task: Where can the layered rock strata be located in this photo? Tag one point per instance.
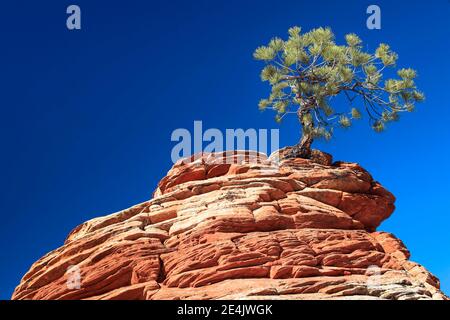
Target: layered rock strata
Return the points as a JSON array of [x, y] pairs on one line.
[[243, 228]]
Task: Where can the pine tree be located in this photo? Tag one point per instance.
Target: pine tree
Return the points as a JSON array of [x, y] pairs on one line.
[[308, 69]]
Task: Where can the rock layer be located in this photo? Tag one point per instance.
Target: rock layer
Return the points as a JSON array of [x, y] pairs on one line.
[[243, 228]]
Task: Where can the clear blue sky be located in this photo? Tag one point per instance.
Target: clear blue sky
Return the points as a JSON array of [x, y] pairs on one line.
[[86, 116]]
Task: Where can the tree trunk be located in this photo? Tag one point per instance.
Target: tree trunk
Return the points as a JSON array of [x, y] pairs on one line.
[[303, 148]]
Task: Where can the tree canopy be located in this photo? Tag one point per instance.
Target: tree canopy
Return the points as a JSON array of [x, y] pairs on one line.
[[308, 69]]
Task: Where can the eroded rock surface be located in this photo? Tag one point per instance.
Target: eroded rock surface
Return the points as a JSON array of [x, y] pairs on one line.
[[243, 229]]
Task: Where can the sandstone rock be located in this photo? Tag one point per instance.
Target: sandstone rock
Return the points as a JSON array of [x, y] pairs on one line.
[[240, 226]]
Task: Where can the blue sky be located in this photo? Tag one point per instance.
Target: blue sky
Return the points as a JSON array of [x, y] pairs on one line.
[[86, 116]]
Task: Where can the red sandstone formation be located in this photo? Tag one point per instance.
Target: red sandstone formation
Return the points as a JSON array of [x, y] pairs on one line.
[[300, 229]]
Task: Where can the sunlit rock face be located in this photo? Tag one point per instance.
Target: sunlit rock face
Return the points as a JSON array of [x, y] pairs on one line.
[[243, 228]]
